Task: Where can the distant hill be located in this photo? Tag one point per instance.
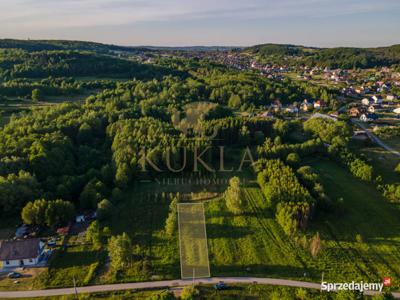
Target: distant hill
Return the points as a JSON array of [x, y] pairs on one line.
[[275, 49], [340, 57], [194, 48], [42, 45]]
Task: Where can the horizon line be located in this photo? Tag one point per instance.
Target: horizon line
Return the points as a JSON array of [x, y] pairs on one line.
[[194, 46]]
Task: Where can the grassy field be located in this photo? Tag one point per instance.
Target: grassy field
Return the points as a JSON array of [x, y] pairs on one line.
[[254, 244], [250, 244], [193, 241], [394, 142], [142, 216], [366, 213], [383, 162], [78, 262]]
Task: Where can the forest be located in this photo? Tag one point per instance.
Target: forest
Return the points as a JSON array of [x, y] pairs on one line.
[[341, 57]]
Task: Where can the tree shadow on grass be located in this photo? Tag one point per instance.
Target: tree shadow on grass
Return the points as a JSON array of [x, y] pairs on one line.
[[215, 231], [273, 271], [66, 259]]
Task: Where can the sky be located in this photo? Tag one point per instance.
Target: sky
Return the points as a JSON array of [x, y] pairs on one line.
[[324, 23]]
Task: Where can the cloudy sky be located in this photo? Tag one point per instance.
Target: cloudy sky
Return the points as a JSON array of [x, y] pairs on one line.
[[205, 22]]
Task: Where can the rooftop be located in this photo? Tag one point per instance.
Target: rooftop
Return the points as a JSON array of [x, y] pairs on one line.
[[19, 249]]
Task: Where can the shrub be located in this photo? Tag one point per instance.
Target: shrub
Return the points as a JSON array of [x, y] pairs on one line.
[[189, 292], [361, 170], [397, 169], [234, 196], [293, 159]]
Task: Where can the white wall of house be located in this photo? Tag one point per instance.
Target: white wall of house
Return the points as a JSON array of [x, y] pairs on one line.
[[17, 262]]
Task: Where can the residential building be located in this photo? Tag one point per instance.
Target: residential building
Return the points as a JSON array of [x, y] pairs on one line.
[[19, 253]]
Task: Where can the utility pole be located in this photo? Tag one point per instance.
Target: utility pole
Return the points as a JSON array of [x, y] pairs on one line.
[[322, 279], [193, 276], [76, 291]]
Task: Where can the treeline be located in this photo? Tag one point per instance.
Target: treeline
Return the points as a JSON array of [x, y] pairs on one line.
[[47, 45], [341, 57], [291, 201], [59, 86], [22, 64], [336, 136]]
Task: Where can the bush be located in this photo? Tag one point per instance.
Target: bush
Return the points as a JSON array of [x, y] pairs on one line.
[[171, 223], [91, 273], [293, 159], [104, 209], [397, 169], [165, 295], [37, 95], [292, 216], [361, 170], [120, 251], [392, 192], [189, 292]]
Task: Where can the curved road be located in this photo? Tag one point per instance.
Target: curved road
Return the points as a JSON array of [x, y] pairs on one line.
[[375, 139], [165, 284]]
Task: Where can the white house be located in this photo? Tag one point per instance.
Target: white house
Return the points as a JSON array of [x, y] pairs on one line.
[[368, 117], [390, 97], [397, 110], [365, 102], [292, 109], [377, 100], [80, 219], [19, 253]]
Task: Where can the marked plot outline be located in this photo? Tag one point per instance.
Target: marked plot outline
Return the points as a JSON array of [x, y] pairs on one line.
[[193, 241]]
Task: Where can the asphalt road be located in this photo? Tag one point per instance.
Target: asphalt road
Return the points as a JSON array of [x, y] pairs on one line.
[[375, 139], [164, 284]]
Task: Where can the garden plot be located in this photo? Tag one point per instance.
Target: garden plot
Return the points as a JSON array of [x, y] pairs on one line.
[[193, 241]]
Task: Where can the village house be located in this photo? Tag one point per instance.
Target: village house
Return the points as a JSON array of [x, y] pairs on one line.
[[390, 97], [306, 106], [368, 117], [20, 253], [377, 99], [318, 104], [366, 102], [292, 109], [354, 112], [276, 105], [266, 114], [371, 109]]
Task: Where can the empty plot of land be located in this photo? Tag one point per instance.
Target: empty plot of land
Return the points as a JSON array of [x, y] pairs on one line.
[[193, 241]]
